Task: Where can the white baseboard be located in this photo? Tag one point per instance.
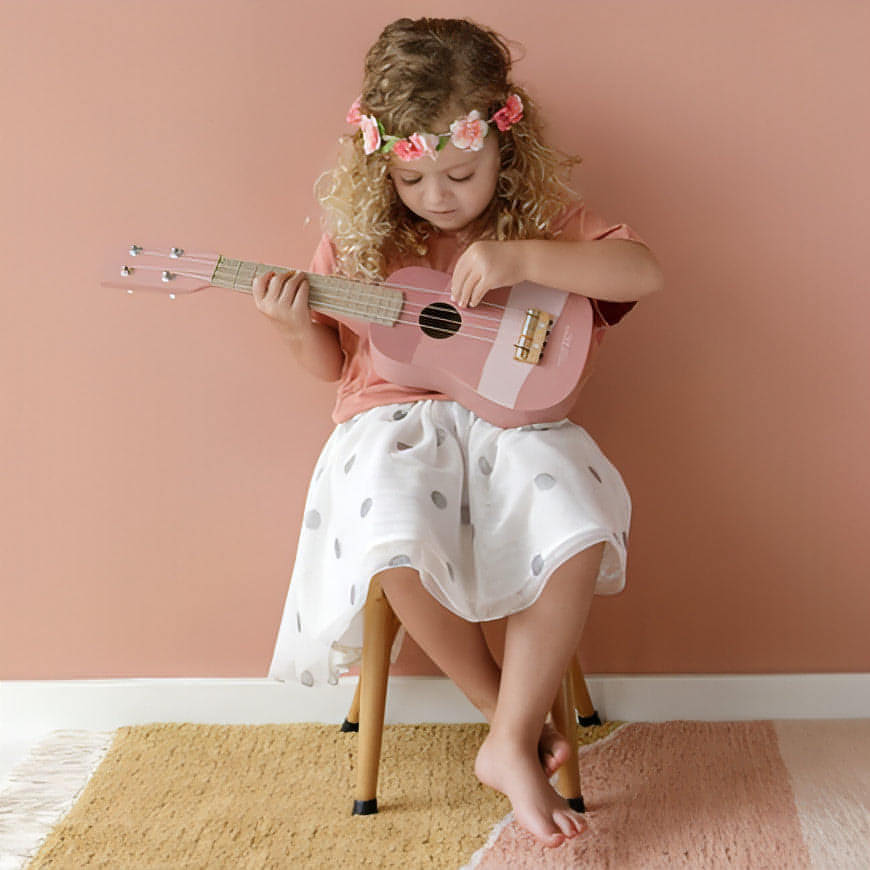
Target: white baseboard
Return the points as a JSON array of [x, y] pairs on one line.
[[28, 707]]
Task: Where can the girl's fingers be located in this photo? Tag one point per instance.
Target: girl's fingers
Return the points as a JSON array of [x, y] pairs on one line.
[[301, 298], [260, 285], [480, 290], [467, 299], [458, 291], [276, 285], [290, 282]]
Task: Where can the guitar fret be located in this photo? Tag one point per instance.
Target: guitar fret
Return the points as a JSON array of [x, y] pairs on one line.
[[367, 302]]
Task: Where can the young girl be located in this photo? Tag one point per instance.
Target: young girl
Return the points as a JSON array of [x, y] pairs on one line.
[[488, 542]]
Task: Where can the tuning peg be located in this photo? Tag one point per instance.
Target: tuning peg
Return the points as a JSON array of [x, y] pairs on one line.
[[167, 276], [126, 271], [135, 250], [175, 253]]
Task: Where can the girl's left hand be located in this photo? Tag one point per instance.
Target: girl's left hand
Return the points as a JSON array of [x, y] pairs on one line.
[[484, 266]]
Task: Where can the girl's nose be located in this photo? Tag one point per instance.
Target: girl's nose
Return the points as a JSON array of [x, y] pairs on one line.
[[437, 194]]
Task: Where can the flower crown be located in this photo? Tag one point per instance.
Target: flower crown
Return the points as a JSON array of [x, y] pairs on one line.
[[465, 133]]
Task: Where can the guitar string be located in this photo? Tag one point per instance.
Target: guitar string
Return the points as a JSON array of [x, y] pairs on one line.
[[208, 260], [409, 307], [366, 293], [344, 309]]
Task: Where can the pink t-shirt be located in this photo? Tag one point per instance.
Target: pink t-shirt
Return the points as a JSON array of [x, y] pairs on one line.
[[361, 388]]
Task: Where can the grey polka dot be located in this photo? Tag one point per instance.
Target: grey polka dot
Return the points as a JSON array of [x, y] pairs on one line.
[[337, 547], [349, 464], [625, 538], [352, 595], [332, 680], [465, 515], [438, 499], [319, 472], [365, 507], [545, 481], [400, 414], [537, 564], [402, 559], [595, 474], [484, 465], [440, 435], [306, 678], [400, 445], [450, 571], [298, 622], [312, 520]]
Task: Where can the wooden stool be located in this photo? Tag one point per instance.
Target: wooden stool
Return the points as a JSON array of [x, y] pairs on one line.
[[366, 713]]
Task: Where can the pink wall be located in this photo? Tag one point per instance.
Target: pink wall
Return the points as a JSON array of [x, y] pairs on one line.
[[155, 454]]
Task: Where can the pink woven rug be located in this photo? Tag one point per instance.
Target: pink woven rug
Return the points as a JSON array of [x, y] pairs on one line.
[[779, 795]]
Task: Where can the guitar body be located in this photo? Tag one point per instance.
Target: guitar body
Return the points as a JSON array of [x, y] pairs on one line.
[[417, 337], [475, 365]]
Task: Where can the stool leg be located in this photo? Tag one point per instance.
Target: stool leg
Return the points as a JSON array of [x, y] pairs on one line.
[[351, 721], [588, 715], [569, 773], [379, 629]]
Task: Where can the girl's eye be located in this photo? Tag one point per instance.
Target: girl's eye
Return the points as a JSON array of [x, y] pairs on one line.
[[409, 180], [464, 177]]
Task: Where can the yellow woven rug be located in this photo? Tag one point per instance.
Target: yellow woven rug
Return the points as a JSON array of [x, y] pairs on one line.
[[694, 794]]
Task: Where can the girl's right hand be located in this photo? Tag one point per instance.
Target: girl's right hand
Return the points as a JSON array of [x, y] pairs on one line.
[[283, 296]]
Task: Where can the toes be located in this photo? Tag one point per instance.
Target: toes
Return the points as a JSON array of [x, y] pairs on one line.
[[569, 823], [565, 824], [550, 762], [553, 841]]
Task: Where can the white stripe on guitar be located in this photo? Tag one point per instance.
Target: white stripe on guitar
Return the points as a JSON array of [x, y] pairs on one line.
[[503, 376]]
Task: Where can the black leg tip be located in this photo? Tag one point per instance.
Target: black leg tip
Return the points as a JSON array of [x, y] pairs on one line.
[[577, 804], [365, 808], [586, 721], [349, 726]]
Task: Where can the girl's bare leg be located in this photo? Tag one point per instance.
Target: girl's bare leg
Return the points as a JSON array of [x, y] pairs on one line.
[[455, 645], [539, 643], [459, 648], [553, 747]]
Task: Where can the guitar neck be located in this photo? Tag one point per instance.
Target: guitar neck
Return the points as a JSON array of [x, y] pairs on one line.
[[328, 293]]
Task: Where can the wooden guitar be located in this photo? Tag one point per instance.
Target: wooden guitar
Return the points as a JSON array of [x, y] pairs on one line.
[[515, 359]]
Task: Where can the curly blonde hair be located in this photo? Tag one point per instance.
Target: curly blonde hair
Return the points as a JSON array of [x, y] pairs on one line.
[[415, 72]]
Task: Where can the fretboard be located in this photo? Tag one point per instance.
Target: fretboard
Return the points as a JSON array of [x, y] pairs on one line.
[[329, 293]]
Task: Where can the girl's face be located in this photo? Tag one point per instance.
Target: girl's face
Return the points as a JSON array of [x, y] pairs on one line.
[[451, 190]]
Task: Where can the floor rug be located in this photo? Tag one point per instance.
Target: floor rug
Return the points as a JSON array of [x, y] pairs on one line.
[[785, 794]]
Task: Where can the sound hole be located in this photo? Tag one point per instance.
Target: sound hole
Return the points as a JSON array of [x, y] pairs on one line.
[[440, 320]]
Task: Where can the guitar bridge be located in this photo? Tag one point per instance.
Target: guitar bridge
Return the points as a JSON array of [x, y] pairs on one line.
[[529, 346]]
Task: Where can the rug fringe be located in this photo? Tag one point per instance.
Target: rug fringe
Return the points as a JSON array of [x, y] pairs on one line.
[[42, 789]]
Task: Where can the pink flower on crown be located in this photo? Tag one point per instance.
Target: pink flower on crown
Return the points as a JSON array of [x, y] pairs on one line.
[[509, 114], [468, 132], [415, 146], [371, 133], [354, 115]]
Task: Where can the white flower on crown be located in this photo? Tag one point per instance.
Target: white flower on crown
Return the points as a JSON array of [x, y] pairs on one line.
[[469, 132]]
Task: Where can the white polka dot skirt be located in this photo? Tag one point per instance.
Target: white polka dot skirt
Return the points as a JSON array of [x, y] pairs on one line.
[[484, 514]]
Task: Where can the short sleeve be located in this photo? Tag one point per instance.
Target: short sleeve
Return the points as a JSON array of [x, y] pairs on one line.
[[324, 262], [580, 224]]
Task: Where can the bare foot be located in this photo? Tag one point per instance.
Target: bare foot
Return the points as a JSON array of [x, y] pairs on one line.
[[515, 770], [553, 749]]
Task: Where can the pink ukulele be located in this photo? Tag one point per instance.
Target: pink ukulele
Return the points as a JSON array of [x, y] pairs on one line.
[[491, 358]]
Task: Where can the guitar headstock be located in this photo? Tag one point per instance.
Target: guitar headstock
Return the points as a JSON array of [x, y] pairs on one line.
[[168, 270]]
